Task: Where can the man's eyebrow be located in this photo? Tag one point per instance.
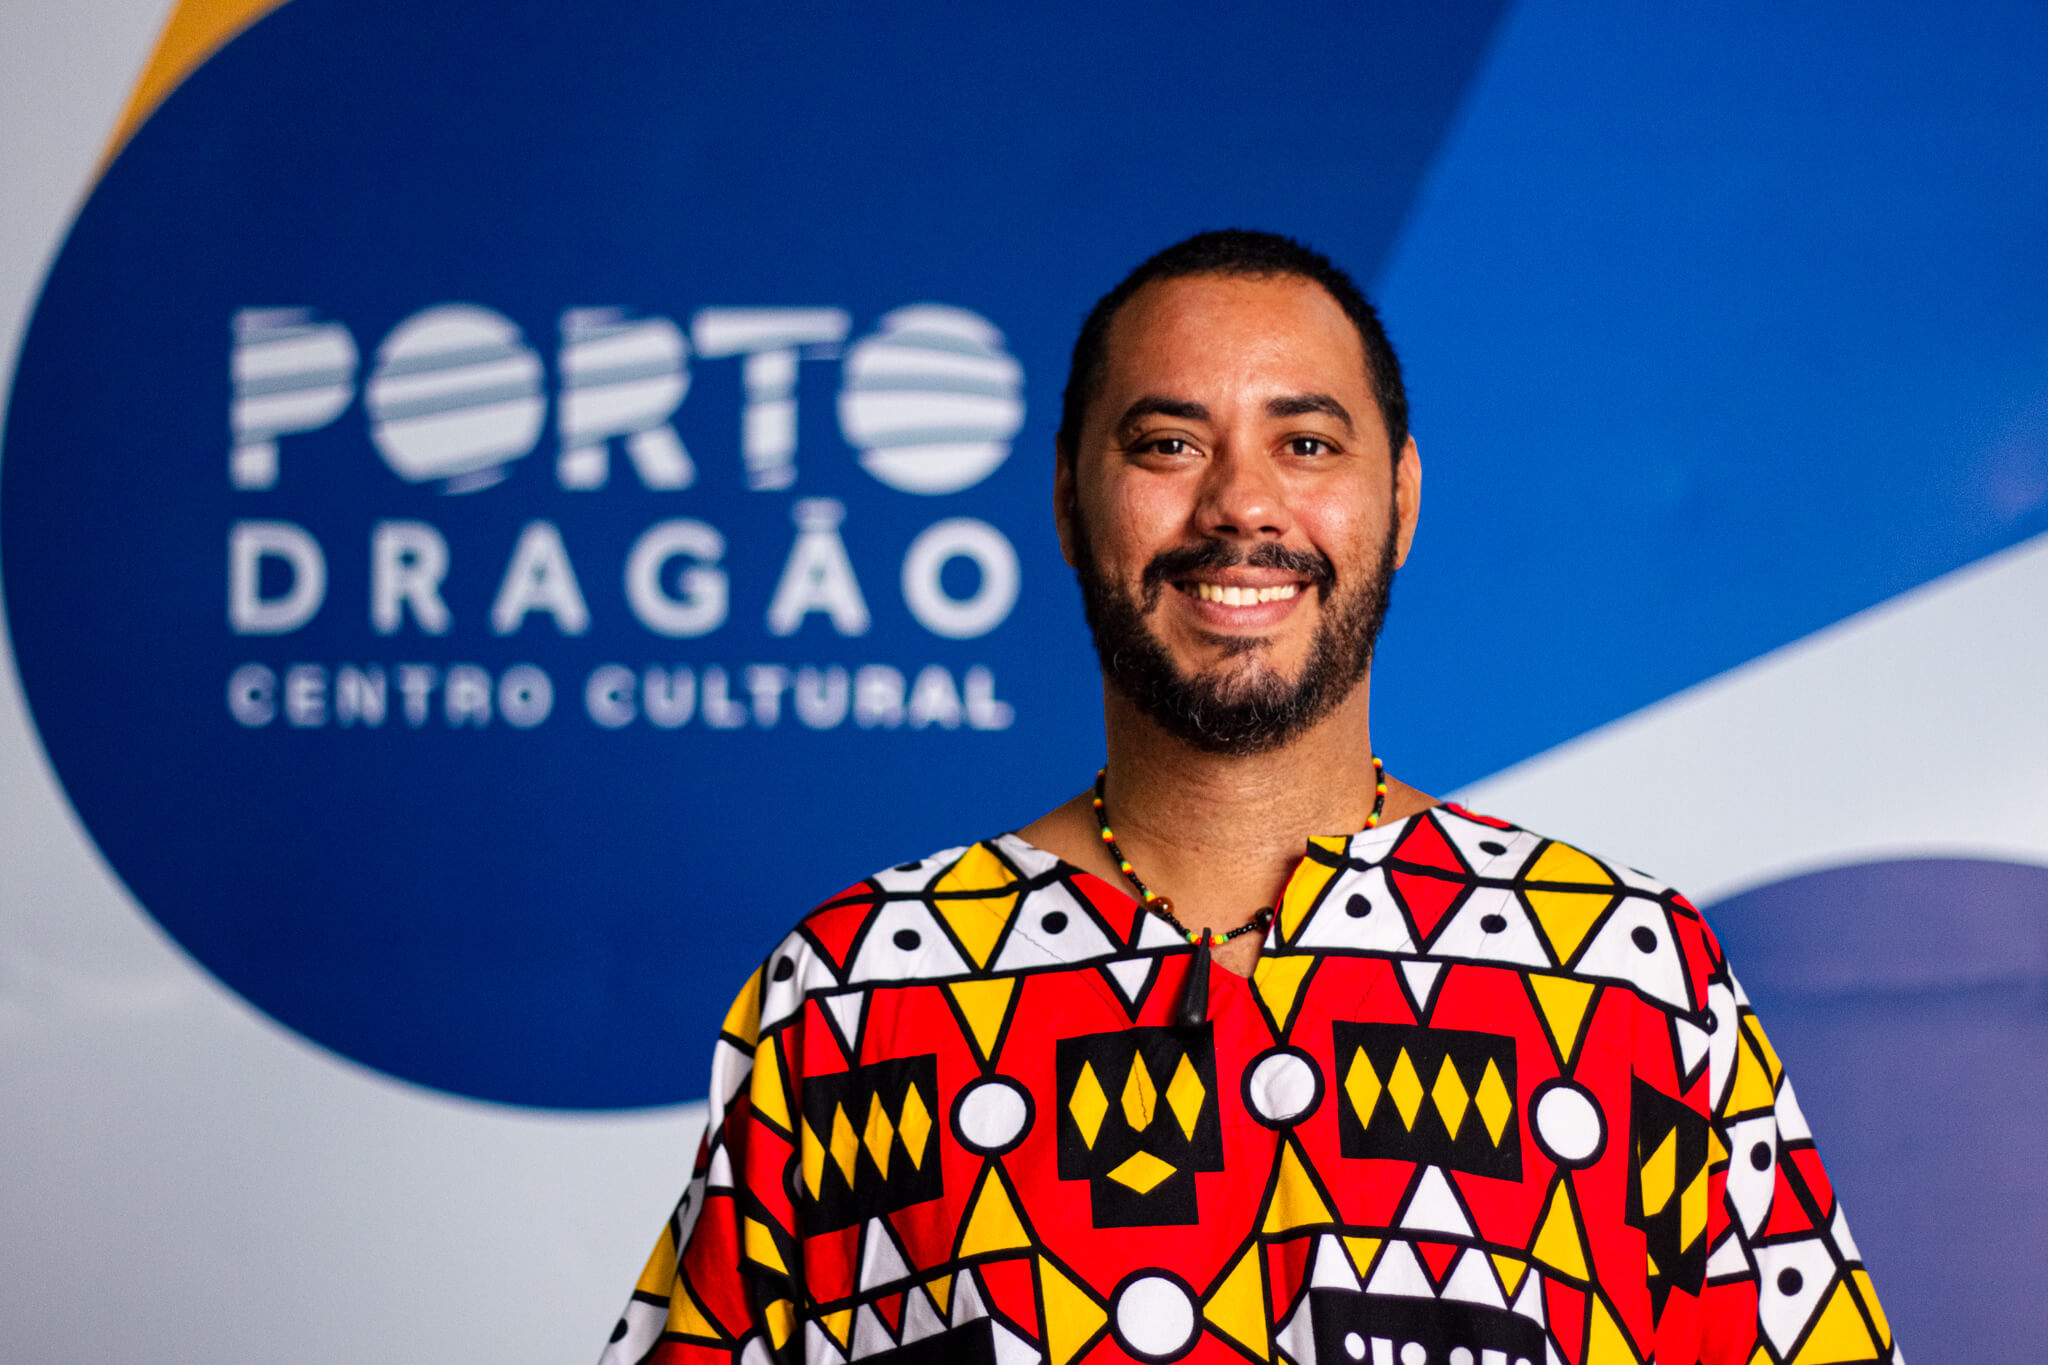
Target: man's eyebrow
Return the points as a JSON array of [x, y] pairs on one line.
[[1301, 404], [1158, 405]]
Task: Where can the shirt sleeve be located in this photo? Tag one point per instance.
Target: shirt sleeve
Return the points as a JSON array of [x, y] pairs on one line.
[[717, 1286], [1784, 1280]]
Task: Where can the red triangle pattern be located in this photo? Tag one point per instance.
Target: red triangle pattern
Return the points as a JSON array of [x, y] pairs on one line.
[[1816, 1178], [834, 930], [1112, 904], [830, 1259], [1425, 844], [1010, 1291], [1565, 1308], [1287, 1272], [723, 1296], [890, 1309], [1788, 1215], [821, 1024], [1426, 898], [1438, 1257]]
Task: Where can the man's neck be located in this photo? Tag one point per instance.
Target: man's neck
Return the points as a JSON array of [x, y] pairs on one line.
[[1219, 834]]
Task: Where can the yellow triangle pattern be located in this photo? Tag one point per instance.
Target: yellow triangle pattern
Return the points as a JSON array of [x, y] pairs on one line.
[[1311, 875], [1566, 916], [1510, 1269], [1764, 1049], [1072, 1316], [1278, 983], [743, 1020], [837, 1325], [1868, 1293], [1840, 1336], [1296, 1202], [941, 1291], [660, 1271], [686, 1318], [765, 1087], [1236, 1307], [993, 1225], [977, 921], [1606, 1343], [1562, 1001], [983, 1004], [1557, 1243], [1752, 1088], [1362, 1251], [781, 1316]]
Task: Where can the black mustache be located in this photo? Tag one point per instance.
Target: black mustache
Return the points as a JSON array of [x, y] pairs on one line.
[[1169, 565]]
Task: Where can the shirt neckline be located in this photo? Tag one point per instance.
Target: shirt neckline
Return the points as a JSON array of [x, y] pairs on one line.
[[1271, 942]]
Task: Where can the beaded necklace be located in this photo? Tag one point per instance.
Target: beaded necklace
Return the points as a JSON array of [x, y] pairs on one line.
[[1193, 1010]]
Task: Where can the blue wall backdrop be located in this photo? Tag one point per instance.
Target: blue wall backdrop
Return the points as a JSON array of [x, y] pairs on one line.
[[506, 505]]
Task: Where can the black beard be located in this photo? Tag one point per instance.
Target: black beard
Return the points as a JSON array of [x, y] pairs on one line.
[[1256, 710]]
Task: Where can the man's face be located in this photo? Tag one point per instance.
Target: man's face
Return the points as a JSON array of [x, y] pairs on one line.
[[1231, 509]]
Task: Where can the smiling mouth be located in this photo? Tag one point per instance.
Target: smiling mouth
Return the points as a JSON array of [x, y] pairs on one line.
[[1231, 595]]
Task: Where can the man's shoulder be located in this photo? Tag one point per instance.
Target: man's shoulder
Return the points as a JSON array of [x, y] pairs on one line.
[[1479, 888], [985, 867], [1493, 848], [995, 906]]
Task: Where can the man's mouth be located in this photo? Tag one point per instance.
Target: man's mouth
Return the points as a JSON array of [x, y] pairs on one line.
[[1231, 595], [1225, 575]]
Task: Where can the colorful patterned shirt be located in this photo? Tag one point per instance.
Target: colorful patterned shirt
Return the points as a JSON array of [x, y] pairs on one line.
[[1485, 1100]]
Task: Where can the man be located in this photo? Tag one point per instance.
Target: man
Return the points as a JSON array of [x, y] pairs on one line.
[[1250, 1052]]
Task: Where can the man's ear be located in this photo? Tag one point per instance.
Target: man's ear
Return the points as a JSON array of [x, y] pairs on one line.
[[1063, 494], [1407, 499]]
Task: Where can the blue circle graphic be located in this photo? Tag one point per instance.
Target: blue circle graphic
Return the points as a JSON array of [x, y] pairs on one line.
[[504, 508]]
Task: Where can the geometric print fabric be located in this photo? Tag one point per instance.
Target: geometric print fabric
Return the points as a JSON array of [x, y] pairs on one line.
[[1484, 1099]]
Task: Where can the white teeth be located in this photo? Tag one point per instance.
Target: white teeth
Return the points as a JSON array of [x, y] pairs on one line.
[[1231, 596]]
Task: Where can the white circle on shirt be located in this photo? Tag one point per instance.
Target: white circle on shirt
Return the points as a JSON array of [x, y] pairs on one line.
[[1155, 1316], [991, 1115], [1282, 1086], [1568, 1124]]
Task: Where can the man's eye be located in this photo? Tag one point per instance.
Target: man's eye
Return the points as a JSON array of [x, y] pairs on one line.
[[1167, 445], [1308, 445]]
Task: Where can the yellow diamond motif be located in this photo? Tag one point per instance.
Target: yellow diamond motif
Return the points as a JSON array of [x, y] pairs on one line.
[[1494, 1103], [1362, 1084], [1141, 1172], [1185, 1095], [1141, 1100], [879, 1134], [1692, 1211], [1406, 1089], [1659, 1175], [1452, 1098], [845, 1146], [1088, 1104], [814, 1160], [915, 1126]]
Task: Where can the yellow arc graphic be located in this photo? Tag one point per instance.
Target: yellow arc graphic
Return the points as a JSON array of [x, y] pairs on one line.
[[195, 31]]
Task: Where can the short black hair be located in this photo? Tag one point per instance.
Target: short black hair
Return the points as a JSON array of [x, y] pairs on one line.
[[1243, 252]]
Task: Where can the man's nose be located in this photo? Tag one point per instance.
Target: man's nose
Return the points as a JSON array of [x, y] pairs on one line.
[[1242, 496]]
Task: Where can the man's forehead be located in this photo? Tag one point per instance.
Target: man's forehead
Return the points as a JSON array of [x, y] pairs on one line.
[[1285, 330]]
